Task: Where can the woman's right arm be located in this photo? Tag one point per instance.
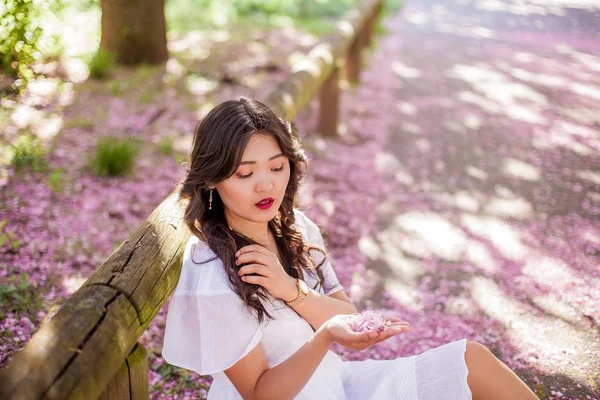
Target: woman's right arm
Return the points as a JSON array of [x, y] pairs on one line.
[[254, 380]]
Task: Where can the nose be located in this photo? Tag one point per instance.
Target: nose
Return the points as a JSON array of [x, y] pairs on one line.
[[264, 184]]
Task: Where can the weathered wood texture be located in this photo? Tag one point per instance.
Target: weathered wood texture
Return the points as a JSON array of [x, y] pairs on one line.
[[79, 350], [85, 350], [131, 380]]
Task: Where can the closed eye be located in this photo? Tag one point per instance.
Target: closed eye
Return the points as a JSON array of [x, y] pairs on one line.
[[250, 174]]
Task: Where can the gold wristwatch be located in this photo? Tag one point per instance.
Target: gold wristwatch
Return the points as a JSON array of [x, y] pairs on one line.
[[302, 292]]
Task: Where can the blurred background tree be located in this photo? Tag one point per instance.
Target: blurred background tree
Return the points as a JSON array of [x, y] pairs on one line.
[[134, 31], [21, 38]]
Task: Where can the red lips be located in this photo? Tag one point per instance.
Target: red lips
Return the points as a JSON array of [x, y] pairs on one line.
[[265, 200]]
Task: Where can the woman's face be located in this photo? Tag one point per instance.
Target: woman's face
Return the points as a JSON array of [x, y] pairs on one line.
[[263, 172]]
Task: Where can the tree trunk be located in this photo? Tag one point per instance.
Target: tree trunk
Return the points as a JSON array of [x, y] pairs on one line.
[[134, 30]]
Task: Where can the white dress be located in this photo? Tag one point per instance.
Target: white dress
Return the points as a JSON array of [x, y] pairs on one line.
[[209, 329]]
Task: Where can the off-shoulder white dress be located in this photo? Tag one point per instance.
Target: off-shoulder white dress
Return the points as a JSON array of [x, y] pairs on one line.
[[209, 329]]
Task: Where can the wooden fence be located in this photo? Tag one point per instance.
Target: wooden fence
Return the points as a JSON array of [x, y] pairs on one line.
[[90, 348]]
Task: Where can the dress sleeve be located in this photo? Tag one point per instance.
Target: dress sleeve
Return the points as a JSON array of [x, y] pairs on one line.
[[209, 334], [313, 234], [207, 331]]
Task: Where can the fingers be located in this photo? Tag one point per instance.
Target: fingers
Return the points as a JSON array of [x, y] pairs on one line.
[[253, 269], [253, 247], [398, 324], [255, 279], [376, 337], [393, 319], [252, 256]]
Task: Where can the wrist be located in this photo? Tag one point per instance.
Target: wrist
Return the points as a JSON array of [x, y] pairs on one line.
[[292, 291], [324, 334]]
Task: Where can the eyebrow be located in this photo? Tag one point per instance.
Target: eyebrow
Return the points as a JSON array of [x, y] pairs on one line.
[[272, 158]]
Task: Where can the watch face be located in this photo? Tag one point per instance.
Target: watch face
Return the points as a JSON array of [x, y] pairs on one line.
[[303, 286]]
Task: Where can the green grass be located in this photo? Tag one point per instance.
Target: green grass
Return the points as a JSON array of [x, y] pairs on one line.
[[56, 180], [114, 157], [142, 73], [166, 145], [146, 97], [189, 15], [18, 296], [102, 63], [115, 88], [79, 122], [28, 152], [8, 237]]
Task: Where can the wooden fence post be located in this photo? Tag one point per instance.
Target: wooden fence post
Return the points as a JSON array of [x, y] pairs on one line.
[[131, 380], [362, 39], [329, 100], [352, 65], [370, 28]]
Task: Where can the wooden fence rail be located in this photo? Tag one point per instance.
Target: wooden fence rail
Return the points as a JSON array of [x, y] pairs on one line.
[[90, 349]]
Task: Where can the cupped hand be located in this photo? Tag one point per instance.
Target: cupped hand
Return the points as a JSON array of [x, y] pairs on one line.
[[339, 331]]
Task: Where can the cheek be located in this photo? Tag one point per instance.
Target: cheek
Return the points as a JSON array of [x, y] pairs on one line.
[[283, 180], [233, 192], [287, 173]]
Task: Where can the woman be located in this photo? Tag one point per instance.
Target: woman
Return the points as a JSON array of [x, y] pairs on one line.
[[258, 304]]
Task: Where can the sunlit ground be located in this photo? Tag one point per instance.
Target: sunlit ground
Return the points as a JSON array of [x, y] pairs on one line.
[[462, 195], [487, 224]]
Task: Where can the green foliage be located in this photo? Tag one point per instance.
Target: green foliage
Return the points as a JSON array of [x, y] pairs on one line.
[[167, 145], [80, 122], [267, 7], [56, 180], [28, 152], [19, 296], [115, 87], [185, 15], [8, 237], [114, 157], [180, 158], [391, 7], [184, 379], [102, 64], [143, 72], [295, 8], [146, 97], [21, 37]]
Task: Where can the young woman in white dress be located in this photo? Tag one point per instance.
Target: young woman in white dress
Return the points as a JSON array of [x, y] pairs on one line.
[[258, 304]]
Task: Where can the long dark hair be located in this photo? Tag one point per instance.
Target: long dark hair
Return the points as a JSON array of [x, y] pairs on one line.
[[217, 148]]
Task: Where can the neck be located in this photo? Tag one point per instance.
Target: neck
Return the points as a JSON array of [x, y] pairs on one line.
[[257, 231]]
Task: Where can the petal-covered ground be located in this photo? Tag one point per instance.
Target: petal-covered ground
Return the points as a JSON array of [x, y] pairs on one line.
[[471, 205], [54, 232], [462, 195]]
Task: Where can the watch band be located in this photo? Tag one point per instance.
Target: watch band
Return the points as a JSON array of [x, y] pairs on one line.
[[301, 296]]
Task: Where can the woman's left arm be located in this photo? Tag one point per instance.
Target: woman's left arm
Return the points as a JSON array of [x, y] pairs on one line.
[[316, 308]]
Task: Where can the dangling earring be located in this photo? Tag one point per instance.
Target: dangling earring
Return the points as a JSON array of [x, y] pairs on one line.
[[210, 200]]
